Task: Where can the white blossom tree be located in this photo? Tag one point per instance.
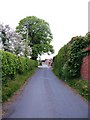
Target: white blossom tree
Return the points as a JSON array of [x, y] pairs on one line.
[[12, 41]]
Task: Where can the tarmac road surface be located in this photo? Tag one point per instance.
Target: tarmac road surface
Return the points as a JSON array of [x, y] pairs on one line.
[[47, 97]]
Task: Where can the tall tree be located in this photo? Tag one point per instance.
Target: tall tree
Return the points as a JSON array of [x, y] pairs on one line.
[[39, 35]]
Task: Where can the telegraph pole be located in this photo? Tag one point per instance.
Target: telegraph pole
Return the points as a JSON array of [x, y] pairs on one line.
[[26, 45]]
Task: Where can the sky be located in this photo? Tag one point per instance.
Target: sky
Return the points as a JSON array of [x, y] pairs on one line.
[[67, 18]]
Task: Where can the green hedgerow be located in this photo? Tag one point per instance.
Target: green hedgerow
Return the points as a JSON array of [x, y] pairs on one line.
[[13, 65]]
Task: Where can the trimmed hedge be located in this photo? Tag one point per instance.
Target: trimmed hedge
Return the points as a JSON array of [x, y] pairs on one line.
[[61, 59], [67, 63], [13, 65]]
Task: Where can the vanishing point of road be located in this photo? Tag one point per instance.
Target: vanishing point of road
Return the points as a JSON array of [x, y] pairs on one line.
[[47, 97]]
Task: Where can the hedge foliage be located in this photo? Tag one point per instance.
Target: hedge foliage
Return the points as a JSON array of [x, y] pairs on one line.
[[67, 63], [13, 65]]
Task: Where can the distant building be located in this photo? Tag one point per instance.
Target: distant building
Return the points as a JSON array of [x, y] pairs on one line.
[[49, 62]]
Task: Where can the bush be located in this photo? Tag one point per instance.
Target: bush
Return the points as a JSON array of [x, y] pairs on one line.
[[13, 65], [69, 59], [66, 72], [61, 59]]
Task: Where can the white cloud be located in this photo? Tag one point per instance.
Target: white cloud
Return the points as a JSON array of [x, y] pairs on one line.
[[66, 18]]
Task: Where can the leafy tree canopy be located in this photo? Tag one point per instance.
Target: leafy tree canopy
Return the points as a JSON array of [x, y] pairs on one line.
[[39, 35]]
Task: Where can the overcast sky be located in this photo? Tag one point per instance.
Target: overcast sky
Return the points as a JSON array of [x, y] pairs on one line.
[[67, 18]]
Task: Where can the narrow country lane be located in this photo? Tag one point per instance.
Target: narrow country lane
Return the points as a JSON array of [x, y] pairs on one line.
[[47, 97]]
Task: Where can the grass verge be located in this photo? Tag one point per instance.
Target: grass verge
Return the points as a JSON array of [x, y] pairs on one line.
[[81, 86], [13, 85]]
